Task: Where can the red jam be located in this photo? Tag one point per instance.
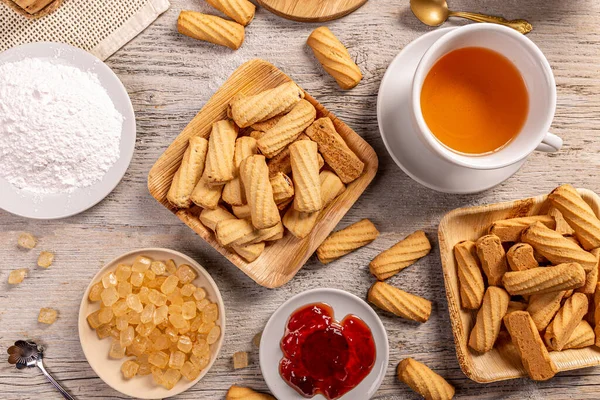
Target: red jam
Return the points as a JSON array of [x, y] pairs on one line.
[[323, 356]]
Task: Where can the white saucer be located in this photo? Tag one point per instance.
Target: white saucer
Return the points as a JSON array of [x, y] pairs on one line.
[[343, 303], [52, 206], [400, 136]]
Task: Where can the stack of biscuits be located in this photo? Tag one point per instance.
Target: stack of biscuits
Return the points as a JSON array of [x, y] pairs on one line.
[[535, 279], [263, 170]]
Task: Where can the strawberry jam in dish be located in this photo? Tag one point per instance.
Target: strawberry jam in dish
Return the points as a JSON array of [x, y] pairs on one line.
[[324, 356]]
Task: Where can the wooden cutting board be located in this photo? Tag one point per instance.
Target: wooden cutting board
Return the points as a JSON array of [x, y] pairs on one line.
[[311, 10]]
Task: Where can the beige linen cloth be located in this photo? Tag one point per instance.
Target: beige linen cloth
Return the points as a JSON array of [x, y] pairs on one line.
[[98, 26]]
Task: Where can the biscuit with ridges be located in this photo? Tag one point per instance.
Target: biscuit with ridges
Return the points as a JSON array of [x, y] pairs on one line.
[[543, 307], [556, 248], [334, 57], [206, 195], [579, 215], [562, 226], [249, 252], [241, 11], [582, 336], [520, 257], [492, 257], [282, 163], [233, 192], [342, 160], [287, 129], [301, 224], [509, 230], [257, 134], [210, 218], [242, 211], [305, 174], [283, 188], [470, 278], [345, 241], [544, 279], [528, 343], [489, 319], [399, 302], [260, 235], [219, 167], [248, 110], [420, 378], [211, 29], [565, 321], [264, 126], [189, 173], [229, 230], [591, 277], [401, 255], [243, 393], [259, 193]]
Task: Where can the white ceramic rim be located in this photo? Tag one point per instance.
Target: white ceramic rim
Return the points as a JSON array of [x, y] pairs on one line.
[[421, 73], [55, 206], [179, 388], [382, 348]]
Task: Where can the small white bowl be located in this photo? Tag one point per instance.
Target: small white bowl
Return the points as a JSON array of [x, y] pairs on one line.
[[96, 351], [343, 303]]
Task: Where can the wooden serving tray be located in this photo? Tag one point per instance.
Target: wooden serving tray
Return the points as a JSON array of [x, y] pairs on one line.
[[311, 10], [470, 224], [281, 260]]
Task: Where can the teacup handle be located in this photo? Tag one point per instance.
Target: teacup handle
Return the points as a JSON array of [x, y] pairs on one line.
[[550, 143]]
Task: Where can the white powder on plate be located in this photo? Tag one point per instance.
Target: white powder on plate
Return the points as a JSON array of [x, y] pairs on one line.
[[59, 130]]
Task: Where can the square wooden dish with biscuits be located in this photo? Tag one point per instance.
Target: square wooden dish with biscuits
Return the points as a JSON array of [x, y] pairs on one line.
[[333, 164], [526, 342]]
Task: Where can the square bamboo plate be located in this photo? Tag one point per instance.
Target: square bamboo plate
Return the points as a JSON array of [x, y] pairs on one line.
[[470, 224], [281, 260]]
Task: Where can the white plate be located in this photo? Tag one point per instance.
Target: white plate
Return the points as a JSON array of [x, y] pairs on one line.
[[400, 137], [343, 303], [52, 206], [96, 351]]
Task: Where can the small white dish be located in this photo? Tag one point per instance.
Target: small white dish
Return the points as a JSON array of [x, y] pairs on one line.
[[53, 206], [96, 350], [400, 135], [343, 303]]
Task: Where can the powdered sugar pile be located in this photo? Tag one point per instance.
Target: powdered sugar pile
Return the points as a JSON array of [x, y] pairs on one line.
[[59, 129]]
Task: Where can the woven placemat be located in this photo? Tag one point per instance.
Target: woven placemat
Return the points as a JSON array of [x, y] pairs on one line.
[[98, 26]]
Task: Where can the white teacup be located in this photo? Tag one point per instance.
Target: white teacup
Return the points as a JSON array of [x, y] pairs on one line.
[[536, 73]]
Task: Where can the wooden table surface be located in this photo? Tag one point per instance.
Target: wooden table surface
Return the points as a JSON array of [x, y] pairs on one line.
[[169, 77]]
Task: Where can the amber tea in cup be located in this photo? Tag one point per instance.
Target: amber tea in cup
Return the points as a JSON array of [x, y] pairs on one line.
[[474, 100]]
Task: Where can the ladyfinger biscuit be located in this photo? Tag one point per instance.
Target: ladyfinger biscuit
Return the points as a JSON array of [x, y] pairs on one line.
[[509, 230], [472, 287], [287, 129], [264, 126], [305, 172], [259, 193], [211, 29], [591, 277], [344, 241], [562, 226], [210, 218], [424, 381], [520, 257], [301, 224], [557, 248], [335, 151], [334, 57], [283, 188], [529, 345], [242, 212], [401, 255], [261, 235], [249, 252], [582, 336], [189, 173], [219, 167], [489, 319], [230, 230], [565, 321], [242, 393], [248, 110], [544, 279], [241, 11], [578, 214], [543, 307], [233, 192], [399, 302], [492, 257], [206, 195]]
